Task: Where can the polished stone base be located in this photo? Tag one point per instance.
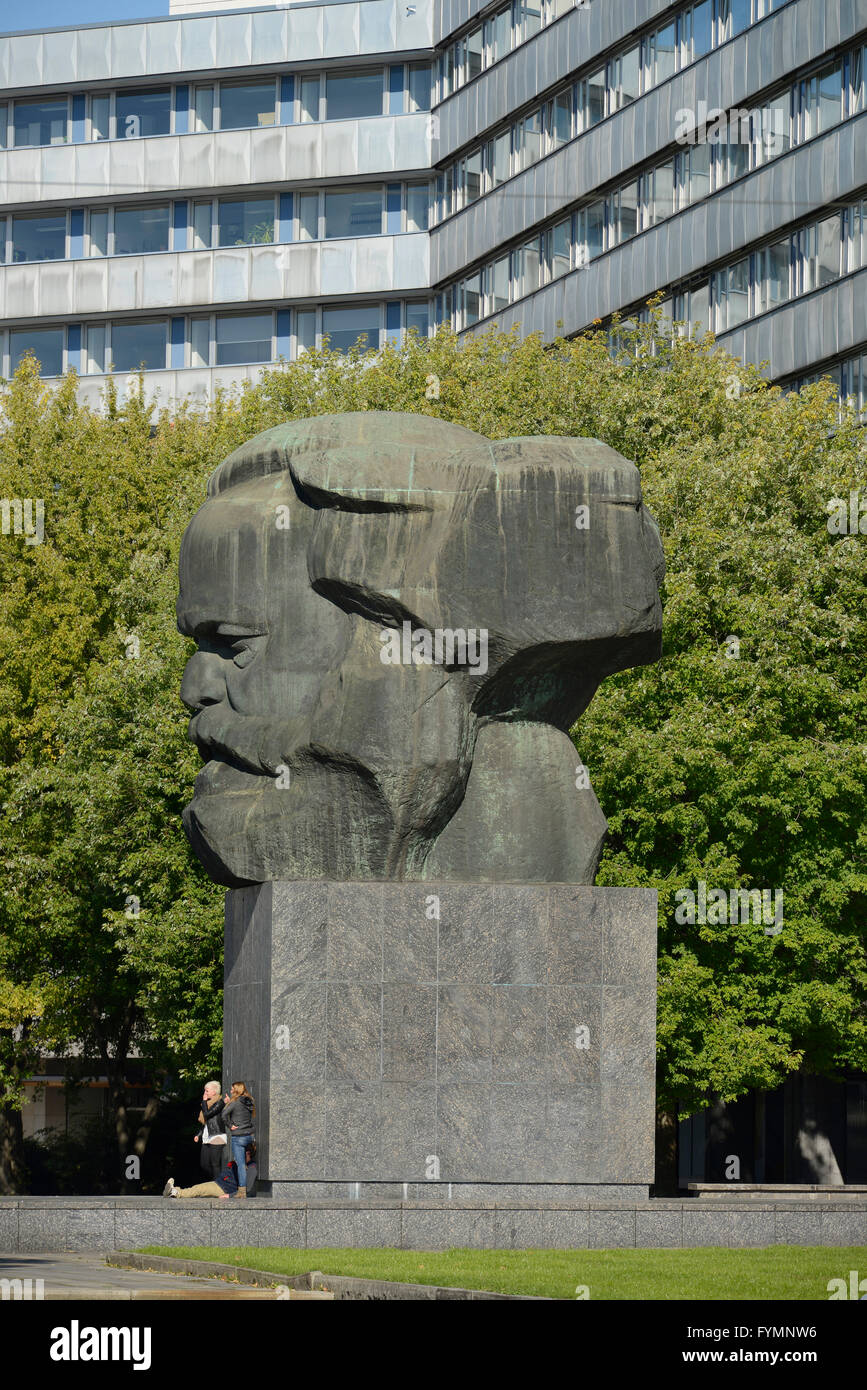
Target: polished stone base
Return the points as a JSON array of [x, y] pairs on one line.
[[447, 1033], [41, 1224], [457, 1194]]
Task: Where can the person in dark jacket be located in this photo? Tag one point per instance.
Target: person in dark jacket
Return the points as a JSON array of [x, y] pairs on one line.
[[212, 1136], [226, 1185], [238, 1118]]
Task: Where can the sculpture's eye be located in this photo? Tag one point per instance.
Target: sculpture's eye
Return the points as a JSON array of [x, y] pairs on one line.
[[243, 652]]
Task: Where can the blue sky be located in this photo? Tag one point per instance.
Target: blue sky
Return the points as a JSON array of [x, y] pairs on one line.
[[51, 14]]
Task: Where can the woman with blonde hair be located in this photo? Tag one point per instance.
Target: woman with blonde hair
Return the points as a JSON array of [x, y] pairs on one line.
[[238, 1118]]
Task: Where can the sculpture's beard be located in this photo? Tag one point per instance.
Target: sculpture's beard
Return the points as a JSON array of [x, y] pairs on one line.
[[268, 795]]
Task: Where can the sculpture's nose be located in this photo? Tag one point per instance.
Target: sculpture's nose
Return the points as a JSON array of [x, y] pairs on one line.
[[203, 682]]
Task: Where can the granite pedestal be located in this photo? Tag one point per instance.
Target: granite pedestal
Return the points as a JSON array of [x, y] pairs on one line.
[[445, 1040]]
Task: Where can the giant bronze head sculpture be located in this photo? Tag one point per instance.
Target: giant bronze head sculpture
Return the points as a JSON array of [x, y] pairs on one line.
[[398, 621]]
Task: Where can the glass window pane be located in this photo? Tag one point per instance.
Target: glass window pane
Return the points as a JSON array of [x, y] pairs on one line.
[[135, 345], [310, 99], [662, 204], [561, 239], [594, 220], [246, 104], [473, 176], [345, 327], [40, 122], [502, 147], [531, 138], [142, 113], [4, 125], [562, 123], [417, 205], [245, 221], [305, 330], [137, 230], [829, 95], [498, 285], [100, 117], [774, 287], [474, 53], [734, 17], [202, 217], [698, 178], [419, 87], [95, 358], [664, 46], [200, 342], [702, 29], [698, 309], [204, 108], [45, 343], [500, 34], [527, 267], [353, 212], [352, 94], [828, 243], [99, 233], [308, 216], [39, 238], [529, 18], [628, 69], [596, 89], [243, 338], [628, 211], [738, 296], [417, 317], [472, 297]]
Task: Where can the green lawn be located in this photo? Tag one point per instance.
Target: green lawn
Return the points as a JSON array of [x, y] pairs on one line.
[[776, 1272]]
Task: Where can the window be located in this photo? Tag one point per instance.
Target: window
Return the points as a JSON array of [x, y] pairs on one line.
[[593, 230], [41, 123], [660, 199], [204, 108], [528, 140], [39, 238], [528, 20], [200, 342], [45, 343], [310, 99], [94, 357], [772, 277], [138, 345], [417, 318], [497, 285], [345, 327], [137, 230], [733, 288], [308, 216], [595, 88], [660, 55], [242, 338], [417, 202], [245, 221], [472, 176], [246, 104], [99, 232], [474, 54], [771, 133], [697, 31], [305, 330], [559, 248], [558, 119], [694, 168], [625, 77], [472, 299], [349, 95], [419, 87], [142, 113], [821, 101], [498, 158], [624, 213], [100, 117], [353, 212], [819, 248], [202, 233], [527, 267], [734, 156], [734, 17], [4, 125], [498, 31]]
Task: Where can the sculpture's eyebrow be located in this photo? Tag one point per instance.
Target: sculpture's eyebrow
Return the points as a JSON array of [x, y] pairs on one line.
[[209, 628]]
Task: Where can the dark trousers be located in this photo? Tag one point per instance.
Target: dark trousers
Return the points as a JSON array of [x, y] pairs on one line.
[[213, 1160]]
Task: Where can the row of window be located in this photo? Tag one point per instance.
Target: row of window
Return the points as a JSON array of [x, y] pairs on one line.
[[850, 379], [215, 105], [361, 211], [213, 340], [746, 140], [505, 29], [581, 104]]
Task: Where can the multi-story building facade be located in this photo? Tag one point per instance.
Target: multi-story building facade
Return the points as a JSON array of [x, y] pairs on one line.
[[205, 194]]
